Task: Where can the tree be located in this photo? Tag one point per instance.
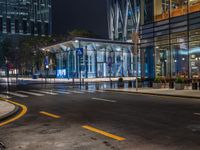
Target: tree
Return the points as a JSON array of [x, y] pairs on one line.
[[81, 33]]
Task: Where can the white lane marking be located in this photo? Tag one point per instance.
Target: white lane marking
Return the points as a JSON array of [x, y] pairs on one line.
[[31, 93], [44, 92], [60, 91], [106, 100], [16, 94], [197, 114], [4, 96]]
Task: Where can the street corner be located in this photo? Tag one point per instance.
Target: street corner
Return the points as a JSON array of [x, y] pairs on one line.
[[10, 111]]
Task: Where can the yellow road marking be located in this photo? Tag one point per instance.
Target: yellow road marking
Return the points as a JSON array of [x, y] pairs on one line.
[[50, 115], [22, 113], [104, 133]]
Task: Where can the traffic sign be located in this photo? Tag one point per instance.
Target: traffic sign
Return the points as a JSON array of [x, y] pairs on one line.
[[79, 51]]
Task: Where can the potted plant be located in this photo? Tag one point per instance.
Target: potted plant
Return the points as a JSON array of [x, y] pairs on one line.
[[139, 81], [194, 84], [179, 83], [157, 83], [120, 82]]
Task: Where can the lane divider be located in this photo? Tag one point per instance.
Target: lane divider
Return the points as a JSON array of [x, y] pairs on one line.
[[49, 114], [118, 138], [105, 100], [22, 113]]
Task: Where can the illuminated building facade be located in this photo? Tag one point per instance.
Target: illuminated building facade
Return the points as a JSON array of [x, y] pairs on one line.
[[169, 35]]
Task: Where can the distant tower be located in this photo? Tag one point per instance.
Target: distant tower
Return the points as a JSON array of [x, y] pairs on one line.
[[25, 17]]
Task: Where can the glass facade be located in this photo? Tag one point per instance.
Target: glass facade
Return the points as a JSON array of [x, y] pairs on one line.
[[25, 17], [169, 38], [91, 58], [121, 18]]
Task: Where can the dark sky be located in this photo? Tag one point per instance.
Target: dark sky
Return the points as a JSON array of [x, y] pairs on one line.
[[80, 14]]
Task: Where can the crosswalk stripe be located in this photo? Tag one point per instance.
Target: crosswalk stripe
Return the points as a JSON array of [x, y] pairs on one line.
[[15, 94], [44, 92], [59, 91], [88, 91], [4, 96], [78, 92], [31, 93]]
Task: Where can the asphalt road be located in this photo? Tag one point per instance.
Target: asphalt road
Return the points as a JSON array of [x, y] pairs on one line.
[[145, 122]]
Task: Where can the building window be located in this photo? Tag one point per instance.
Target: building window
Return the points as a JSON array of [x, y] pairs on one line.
[[46, 28], [161, 9], [39, 29], [24, 26], [16, 26], [8, 25], [1, 25], [146, 11], [194, 5], [32, 28], [178, 7]]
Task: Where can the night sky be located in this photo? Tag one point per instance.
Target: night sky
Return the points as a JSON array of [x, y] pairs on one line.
[[80, 14]]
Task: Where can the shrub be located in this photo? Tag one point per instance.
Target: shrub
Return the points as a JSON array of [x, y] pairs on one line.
[[120, 79], [179, 80], [157, 80]]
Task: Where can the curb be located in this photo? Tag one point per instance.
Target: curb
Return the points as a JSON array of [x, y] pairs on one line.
[[156, 94], [10, 114]]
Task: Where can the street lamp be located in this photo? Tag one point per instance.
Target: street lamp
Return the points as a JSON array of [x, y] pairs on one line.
[[7, 74], [79, 60], [135, 39]]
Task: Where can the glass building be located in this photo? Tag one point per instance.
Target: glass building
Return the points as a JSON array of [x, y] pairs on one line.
[[25, 17], [93, 58], [169, 36]]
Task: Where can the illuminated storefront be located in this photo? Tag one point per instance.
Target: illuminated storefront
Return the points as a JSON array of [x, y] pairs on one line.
[[169, 35], [93, 58]]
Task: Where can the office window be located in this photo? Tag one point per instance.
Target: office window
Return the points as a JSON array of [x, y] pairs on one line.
[[16, 26], [8, 25], [161, 9], [146, 11], [194, 5], [32, 28], [1, 25], [178, 7], [24, 26], [39, 29]]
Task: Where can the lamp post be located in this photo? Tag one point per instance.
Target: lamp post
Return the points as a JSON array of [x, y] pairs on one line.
[[7, 74], [135, 39], [79, 61]]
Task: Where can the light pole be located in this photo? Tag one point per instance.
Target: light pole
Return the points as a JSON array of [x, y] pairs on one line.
[[79, 60], [7, 74], [135, 39]]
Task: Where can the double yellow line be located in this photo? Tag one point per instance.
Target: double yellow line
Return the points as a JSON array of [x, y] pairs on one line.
[[22, 113]]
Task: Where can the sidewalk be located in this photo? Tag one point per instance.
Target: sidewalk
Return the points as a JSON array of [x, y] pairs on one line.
[[187, 93], [12, 80], [6, 109]]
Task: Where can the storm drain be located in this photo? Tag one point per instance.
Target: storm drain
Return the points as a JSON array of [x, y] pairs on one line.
[[2, 146]]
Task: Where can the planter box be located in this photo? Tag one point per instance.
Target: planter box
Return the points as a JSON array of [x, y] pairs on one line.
[[157, 85], [179, 86]]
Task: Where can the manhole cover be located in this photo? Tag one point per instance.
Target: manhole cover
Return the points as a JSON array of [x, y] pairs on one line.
[[2, 146], [194, 128]]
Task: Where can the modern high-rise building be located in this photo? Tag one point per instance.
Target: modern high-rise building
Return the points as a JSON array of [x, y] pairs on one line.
[[25, 17], [169, 35]]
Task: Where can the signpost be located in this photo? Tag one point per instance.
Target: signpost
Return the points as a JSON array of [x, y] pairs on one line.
[[110, 66], [79, 52]]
